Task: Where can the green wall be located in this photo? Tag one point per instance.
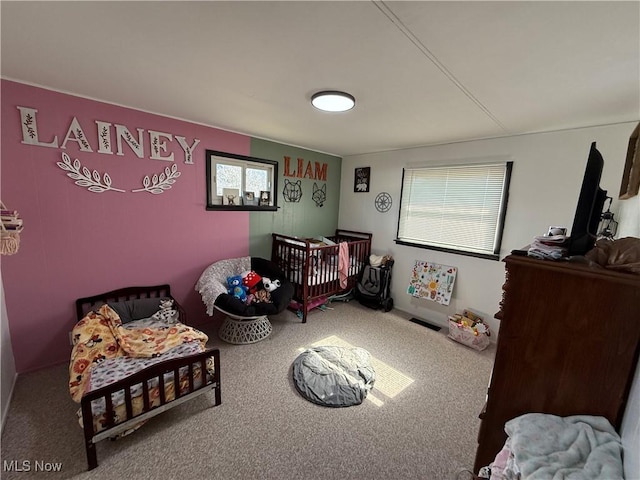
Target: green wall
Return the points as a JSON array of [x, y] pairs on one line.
[[303, 218]]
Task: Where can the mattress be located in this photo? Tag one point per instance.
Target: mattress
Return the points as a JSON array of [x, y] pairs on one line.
[[324, 273]]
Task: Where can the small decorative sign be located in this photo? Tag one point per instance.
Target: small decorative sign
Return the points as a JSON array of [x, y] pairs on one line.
[[362, 179]]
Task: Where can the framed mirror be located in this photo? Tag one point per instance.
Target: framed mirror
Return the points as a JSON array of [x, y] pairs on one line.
[[238, 182]]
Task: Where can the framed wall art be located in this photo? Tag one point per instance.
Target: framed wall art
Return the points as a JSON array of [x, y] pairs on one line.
[[249, 198], [362, 179], [265, 198]]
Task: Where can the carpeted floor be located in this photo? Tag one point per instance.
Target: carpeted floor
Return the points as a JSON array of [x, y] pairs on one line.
[[419, 422]]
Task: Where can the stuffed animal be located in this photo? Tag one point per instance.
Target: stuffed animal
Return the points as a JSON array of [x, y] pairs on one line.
[[270, 285], [251, 280], [236, 288], [166, 313], [261, 296], [234, 281], [239, 292]]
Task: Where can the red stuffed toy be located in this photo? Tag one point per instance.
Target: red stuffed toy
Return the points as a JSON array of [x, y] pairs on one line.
[[251, 280]]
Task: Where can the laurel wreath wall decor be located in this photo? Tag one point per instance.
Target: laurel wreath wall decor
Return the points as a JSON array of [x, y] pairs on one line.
[[159, 183], [96, 183], [84, 177]]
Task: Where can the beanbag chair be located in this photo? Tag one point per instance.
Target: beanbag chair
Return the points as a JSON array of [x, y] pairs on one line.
[[334, 376]]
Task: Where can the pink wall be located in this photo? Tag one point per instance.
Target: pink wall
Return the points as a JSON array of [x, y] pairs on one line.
[[78, 243]]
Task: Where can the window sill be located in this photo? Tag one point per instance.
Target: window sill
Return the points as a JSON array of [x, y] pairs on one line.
[[486, 256], [242, 208]]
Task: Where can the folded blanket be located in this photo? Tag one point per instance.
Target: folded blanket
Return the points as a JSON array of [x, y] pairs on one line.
[[579, 447]]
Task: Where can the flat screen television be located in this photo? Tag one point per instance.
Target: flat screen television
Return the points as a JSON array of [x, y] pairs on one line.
[[590, 204]]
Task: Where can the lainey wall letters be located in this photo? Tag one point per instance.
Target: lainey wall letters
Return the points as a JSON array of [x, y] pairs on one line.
[[158, 141]]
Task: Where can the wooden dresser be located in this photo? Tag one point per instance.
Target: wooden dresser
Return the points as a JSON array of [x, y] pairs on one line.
[[569, 343]]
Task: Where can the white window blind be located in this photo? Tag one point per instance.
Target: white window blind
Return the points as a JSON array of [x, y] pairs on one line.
[[458, 208]]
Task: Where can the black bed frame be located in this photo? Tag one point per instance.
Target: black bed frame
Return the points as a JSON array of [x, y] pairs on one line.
[[157, 371]]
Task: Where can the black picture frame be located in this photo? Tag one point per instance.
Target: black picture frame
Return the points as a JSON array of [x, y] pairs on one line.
[[244, 203], [265, 198], [362, 179], [249, 198]]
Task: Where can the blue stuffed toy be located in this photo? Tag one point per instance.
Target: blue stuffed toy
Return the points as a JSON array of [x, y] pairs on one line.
[[236, 288]]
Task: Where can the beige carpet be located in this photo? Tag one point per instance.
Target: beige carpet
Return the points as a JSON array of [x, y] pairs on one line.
[[419, 422]]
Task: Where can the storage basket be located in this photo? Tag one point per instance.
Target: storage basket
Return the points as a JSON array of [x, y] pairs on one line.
[[9, 237], [9, 241], [467, 336]]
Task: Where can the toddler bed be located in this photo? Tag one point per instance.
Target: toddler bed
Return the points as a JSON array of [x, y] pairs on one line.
[[319, 268], [133, 357]]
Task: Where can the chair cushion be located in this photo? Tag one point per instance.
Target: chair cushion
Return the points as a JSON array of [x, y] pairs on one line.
[[280, 297]]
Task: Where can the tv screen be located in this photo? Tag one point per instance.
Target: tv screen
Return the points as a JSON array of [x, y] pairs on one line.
[[590, 204]]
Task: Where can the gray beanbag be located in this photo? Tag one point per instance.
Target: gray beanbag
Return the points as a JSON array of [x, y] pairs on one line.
[[334, 376]]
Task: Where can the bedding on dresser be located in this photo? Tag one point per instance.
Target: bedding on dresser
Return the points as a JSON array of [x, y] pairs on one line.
[[548, 447]]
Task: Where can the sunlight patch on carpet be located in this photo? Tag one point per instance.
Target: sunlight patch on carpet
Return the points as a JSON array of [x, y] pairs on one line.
[[389, 381]]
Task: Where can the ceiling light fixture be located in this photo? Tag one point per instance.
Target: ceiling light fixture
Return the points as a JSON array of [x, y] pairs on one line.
[[333, 101]]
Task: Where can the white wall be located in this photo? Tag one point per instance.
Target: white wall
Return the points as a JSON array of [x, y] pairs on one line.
[[630, 227], [6, 357], [545, 183], [547, 175], [629, 217], [630, 431]]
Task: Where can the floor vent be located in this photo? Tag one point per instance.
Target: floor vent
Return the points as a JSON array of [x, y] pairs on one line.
[[425, 324]]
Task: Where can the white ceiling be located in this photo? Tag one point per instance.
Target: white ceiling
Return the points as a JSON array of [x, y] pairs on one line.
[[422, 72]]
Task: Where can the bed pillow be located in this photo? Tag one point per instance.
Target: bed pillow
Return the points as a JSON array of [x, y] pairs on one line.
[[136, 309]]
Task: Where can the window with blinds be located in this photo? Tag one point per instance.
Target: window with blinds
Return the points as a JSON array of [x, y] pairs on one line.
[[458, 208]]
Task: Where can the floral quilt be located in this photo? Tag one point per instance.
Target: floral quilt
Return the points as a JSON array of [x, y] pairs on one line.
[[101, 338]]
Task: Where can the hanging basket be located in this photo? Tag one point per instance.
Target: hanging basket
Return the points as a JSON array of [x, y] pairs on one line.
[[9, 242], [9, 238]]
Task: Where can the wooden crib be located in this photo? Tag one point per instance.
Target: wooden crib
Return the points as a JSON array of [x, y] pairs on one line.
[[316, 266]]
